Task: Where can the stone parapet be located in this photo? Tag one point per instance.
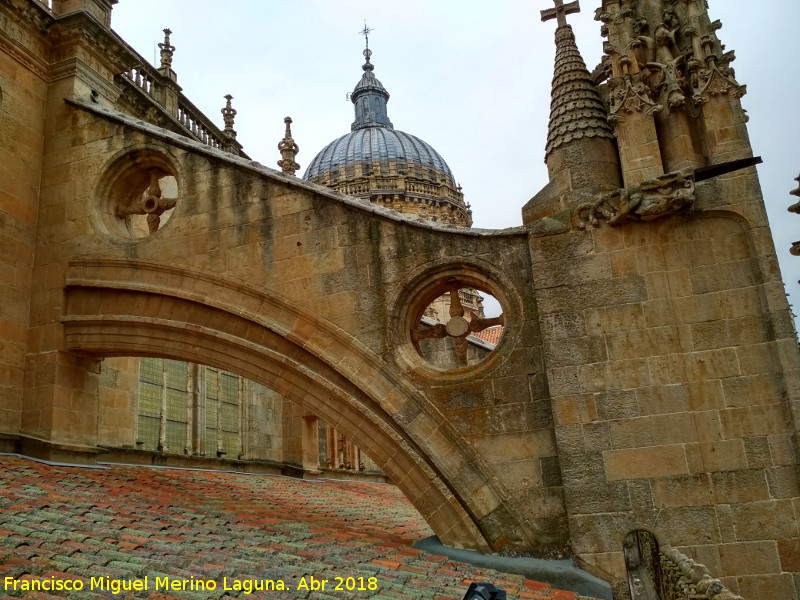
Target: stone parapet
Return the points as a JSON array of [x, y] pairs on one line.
[[684, 579]]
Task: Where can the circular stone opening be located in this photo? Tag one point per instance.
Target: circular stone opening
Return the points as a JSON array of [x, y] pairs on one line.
[[137, 196], [457, 324]]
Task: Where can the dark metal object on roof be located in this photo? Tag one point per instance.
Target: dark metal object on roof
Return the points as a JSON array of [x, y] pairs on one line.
[[484, 591], [711, 171]]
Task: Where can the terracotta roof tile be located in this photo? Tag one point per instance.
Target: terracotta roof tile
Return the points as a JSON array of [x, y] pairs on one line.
[[130, 522], [491, 334]]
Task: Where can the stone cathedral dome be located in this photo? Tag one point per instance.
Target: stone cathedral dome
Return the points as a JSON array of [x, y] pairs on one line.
[[392, 168]]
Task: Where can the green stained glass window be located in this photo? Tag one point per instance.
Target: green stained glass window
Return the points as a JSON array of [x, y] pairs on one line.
[[151, 370], [153, 398], [177, 374], [176, 437], [149, 399], [147, 433]]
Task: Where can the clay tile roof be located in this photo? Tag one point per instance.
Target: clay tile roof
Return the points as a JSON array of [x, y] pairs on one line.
[[161, 520], [491, 335]]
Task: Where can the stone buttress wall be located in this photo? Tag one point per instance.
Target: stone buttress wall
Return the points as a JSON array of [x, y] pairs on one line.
[[117, 405], [484, 433], [673, 364], [23, 93]]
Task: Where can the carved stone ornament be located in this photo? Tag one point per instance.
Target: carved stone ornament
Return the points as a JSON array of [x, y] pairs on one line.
[[288, 149], [670, 87], [795, 208], [665, 195], [167, 50], [630, 94], [716, 79]]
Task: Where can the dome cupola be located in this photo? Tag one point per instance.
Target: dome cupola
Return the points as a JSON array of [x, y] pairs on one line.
[[392, 168]]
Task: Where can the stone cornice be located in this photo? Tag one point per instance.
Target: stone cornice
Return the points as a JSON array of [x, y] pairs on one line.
[[22, 22], [80, 25], [75, 66], [24, 56], [32, 13], [32, 20]]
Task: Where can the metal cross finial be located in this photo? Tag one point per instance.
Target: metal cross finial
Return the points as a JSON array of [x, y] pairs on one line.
[[366, 31], [561, 11]]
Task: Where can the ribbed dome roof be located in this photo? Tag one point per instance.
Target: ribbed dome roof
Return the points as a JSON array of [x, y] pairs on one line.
[[389, 167], [372, 145]]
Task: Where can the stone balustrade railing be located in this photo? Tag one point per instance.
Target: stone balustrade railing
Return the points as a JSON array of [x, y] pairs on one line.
[[141, 79], [684, 579], [149, 80], [199, 125], [159, 87], [401, 183]]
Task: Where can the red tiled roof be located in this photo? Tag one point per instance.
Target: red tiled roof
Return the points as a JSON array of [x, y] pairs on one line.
[[126, 522], [491, 334]]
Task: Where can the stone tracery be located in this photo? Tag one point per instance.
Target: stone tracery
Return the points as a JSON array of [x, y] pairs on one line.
[[149, 204], [457, 327]]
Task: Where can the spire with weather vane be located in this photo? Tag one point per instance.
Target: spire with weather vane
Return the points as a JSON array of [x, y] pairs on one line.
[[369, 95]]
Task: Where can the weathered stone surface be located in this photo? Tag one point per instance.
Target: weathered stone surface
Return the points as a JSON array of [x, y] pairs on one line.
[[640, 463], [646, 377]]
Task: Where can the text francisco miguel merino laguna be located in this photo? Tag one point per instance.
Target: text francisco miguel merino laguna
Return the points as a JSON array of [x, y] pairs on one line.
[[48, 584]]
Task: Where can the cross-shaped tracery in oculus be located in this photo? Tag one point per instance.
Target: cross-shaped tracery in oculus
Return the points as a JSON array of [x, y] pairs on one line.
[[459, 327]]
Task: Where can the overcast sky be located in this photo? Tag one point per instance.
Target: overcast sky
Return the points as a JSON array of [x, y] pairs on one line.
[[472, 78]]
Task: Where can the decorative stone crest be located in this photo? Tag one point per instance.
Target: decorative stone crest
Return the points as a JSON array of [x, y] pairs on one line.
[[629, 94], [710, 69], [660, 55], [167, 50], [671, 84], [665, 195], [288, 149], [716, 79]]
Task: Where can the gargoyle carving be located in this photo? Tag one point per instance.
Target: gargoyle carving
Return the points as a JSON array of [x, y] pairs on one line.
[[150, 203], [650, 200]]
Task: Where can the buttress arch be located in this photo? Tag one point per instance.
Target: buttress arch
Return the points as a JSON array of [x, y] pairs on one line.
[[138, 308]]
